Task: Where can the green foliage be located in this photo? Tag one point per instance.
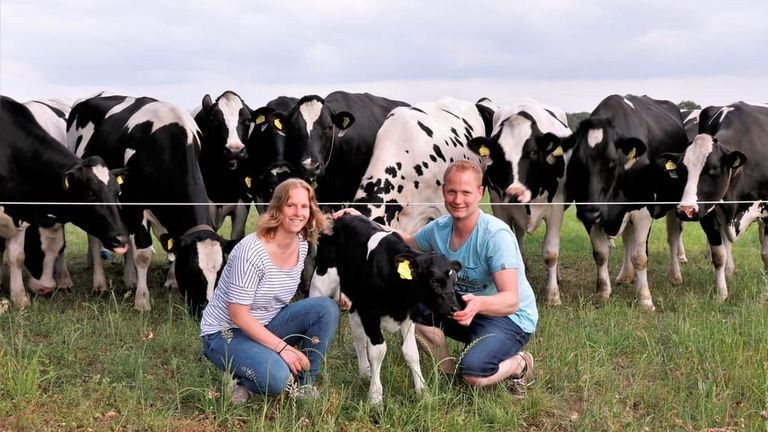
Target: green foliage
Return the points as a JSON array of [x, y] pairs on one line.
[[575, 118], [76, 361], [688, 105]]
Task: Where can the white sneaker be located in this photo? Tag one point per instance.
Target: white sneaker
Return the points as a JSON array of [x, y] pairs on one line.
[[239, 395]]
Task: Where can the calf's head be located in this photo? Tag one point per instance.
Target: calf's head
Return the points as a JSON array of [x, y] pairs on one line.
[[435, 276]]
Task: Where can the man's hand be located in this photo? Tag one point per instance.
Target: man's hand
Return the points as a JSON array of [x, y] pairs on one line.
[[348, 210], [465, 316]]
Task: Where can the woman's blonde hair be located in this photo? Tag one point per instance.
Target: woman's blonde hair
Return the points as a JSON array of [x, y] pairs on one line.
[[273, 217]]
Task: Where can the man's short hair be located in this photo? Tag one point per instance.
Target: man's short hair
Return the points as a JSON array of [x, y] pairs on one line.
[[462, 165]]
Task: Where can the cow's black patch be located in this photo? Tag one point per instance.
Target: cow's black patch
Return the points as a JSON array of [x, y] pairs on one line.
[[400, 188], [416, 184], [391, 171], [433, 157], [469, 126], [452, 114], [455, 132], [418, 170], [425, 164], [426, 130], [399, 166], [438, 152], [438, 182], [418, 109]]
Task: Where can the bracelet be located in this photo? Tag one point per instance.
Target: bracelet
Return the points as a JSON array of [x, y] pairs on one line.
[[284, 346]]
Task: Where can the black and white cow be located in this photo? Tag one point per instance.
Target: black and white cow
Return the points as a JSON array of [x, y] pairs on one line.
[[614, 179], [384, 279], [37, 169], [157, 145], [691, 123], [524, 163], [267, 165], [726, 180], [225, 125], [332, 140], [402, 185]]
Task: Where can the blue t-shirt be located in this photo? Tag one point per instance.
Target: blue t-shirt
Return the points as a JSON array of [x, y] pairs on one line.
[[491, 247]]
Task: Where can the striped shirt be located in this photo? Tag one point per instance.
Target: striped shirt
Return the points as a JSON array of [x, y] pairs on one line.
[[250, 278]]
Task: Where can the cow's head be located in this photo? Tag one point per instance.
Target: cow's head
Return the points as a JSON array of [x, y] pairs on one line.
[[313, 129], [521, 163], [434, 273], [225, 124], [199, 259], [600, 161], [267, 165], [707, 167], [91, 182]]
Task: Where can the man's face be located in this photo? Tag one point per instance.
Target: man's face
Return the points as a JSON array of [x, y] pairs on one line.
[[462, 193]]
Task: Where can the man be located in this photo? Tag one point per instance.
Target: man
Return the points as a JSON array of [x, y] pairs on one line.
[[500, 311]]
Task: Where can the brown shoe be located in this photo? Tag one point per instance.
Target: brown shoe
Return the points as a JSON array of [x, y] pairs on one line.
[[519, 383]]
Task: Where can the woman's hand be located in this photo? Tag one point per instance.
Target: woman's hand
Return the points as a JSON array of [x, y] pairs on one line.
[[295, 359], [348, 210]]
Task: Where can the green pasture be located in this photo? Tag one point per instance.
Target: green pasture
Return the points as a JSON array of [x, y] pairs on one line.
[[80, 362]]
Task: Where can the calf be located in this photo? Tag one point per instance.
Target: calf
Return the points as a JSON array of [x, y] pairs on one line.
[[384, 279], [614, 179], [401, 187], [525, 164], [725, 181], [157, 144], [36, 169]]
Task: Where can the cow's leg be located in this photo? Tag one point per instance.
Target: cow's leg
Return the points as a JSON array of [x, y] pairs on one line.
[[718, 252], [641, 226], [675, 242], [627, 273], [99, 279], [63, 279], [142, 257], [15, 251], [52, 245], [239, 217], [361, 348], [730, 266], [600, 247], [377, 349], [170, 277], [411, 352], [550, 250]]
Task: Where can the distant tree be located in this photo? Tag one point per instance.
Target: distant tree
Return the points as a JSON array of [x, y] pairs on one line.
[[575, 118], [688, 105]]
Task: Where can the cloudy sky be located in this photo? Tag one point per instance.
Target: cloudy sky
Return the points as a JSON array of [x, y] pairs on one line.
[[568, 53]]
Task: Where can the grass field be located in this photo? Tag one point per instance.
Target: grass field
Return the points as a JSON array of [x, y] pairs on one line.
[[76, 361]]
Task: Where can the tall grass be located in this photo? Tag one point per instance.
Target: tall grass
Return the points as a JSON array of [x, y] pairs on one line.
[[78, 361]]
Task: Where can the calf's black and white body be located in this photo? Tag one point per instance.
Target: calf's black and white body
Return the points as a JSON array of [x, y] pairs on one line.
[[384, 279]]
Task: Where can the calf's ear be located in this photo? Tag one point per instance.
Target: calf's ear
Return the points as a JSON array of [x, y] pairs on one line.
[[456, 266], [669, 163], [734, 160], [71, 177], [486, 148], [343, 120], [207, 103], [405, 265], [632, 147]]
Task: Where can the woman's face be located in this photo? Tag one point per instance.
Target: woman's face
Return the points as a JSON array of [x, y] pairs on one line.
[[296, 210]]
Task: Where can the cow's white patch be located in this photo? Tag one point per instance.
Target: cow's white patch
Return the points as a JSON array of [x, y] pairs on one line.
[[723, 111], [754, 212], [626, 101], [161, 114], [389, 324], [279, 170], [374, 241], [209, 259], [327, 285], [48, 120], [86, 132], [121, 106], [311, 112], [594, 136], [694, 159], [127, 155], [230, 105], [693, 116], [101, 172]]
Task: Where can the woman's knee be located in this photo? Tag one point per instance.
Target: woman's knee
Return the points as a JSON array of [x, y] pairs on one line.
[[328, 308]]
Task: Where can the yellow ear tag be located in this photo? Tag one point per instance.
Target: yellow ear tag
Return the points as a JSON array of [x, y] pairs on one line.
[[404, 270], [119, 180], [66, 183], [631, 154], [736, 163], [345, 123], [248, 181], [278, 124], [260, 119], [558, 151], [669, 166], [170, 244], [484, 151]]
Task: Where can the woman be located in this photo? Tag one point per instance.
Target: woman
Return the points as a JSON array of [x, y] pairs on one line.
[[249, 327]]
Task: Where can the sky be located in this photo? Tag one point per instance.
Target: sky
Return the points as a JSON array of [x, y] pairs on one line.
[[565, 53]]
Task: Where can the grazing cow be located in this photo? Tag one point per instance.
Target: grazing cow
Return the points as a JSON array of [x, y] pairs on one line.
[[157, 145], [412, 149], [384, 279], [614, 179], [267, 165], [36, 169], [725, 181], [524, 163], [332, 140], [225, 125]]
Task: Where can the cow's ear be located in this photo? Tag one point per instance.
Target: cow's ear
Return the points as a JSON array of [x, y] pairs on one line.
[[405, 265], [278, 121], [456, 266], [71, 177], [260, 117], [550, 144], [484, 147], [168, 243], [669, 163], [734, 160], [119, 174], [207, 103], [343, 120], [632, 147]]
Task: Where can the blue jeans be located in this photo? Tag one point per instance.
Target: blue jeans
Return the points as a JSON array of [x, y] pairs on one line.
[[489, 340], [262, 370]]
